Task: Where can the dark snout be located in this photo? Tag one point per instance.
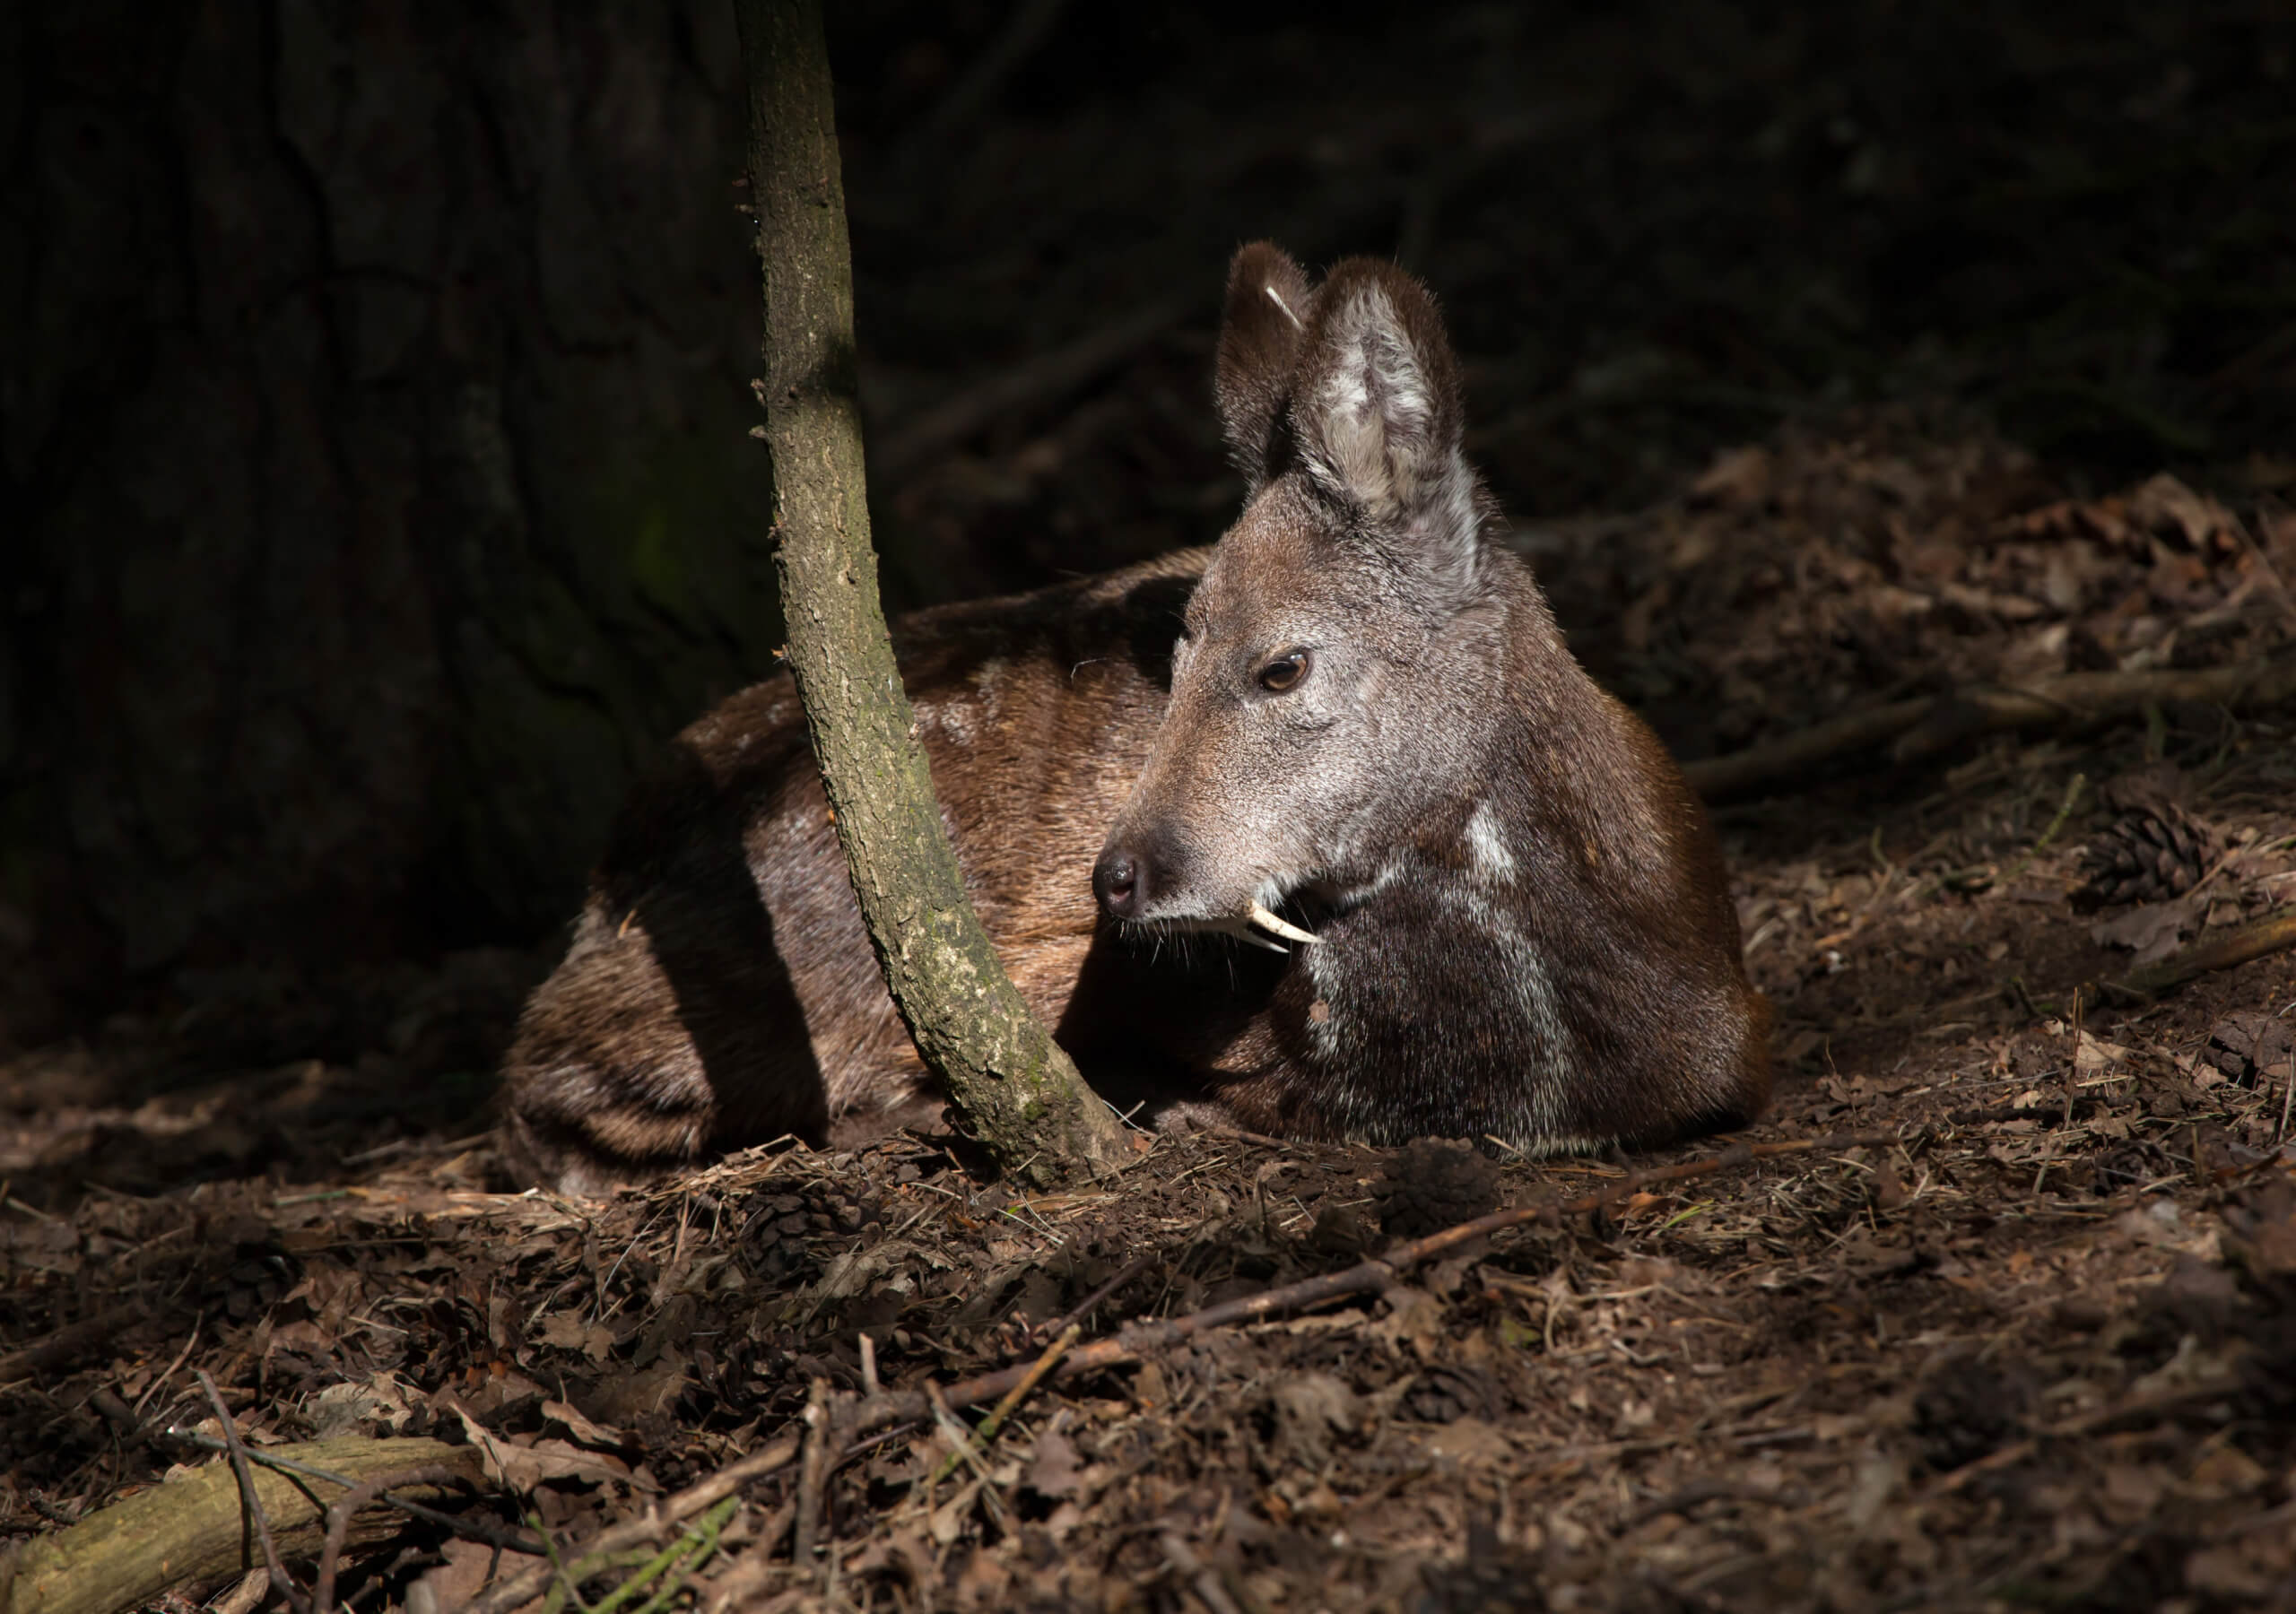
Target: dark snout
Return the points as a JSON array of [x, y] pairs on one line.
[[1133, 869]]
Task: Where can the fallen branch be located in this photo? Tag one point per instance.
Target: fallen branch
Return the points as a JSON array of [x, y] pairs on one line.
[[1027, 26], [188, 1531], [1033, 381], [67, 1342], [469, 1529], [2274, 932], [1797, 753], [1924, 728], [1039, 1370]]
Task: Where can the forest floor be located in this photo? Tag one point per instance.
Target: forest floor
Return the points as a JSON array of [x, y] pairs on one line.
[[2031, 1342]]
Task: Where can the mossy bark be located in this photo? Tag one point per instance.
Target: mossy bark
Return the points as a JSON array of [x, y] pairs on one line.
[[1012, 1087], [377, 500], [193, 1531]]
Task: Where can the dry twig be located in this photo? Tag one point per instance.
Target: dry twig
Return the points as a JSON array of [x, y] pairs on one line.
[[2274, 932], [820, 1434], [1036, 1375], [698, 1497], [251, 1501], [1133, 1269], [346, 1508], [1921, 728], [1370, 1277], [67, 1342]]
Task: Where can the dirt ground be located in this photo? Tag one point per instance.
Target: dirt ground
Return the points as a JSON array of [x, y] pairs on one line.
[[2031, 1345], [2034, 1345]]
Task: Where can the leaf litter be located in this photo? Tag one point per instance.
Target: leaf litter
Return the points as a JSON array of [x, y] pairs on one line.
[[2038, 1348]]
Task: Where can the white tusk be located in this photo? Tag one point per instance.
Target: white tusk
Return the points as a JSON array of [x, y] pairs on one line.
[[1243, 931], [1284, 928]]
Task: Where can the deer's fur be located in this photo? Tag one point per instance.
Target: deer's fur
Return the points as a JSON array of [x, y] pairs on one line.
[[1521, 924]]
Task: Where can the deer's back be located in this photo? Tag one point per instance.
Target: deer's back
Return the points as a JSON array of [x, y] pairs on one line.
[[719, 988]]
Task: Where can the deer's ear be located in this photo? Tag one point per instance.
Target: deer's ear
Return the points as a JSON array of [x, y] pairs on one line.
[[1269, 304], [1376, 411]]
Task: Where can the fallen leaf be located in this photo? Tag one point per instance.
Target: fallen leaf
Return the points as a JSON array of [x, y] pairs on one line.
[[1148, 1386], [1738, 479], [2164, 504], [625, 1398], [985, 1583], [1471, 1443], [2152, 929], [1053, 1472], [2132, 1492], [382, 1402], [1309, 1409], [2242, 1572], [2226, 1471], [461, 1577], [568, 1331], [581, 1427], [1415, 1319], [523, 1467], [947, 1521]]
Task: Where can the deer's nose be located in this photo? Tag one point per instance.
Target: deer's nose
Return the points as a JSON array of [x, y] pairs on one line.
[[1117, 882], [1127, 876]]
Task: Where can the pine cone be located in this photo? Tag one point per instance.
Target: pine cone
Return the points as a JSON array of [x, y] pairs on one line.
[[2151, 853], [1435, 1184]]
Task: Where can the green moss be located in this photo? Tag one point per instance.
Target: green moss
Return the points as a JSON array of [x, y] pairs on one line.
[[657, 567], [548, 768], [669, 534]]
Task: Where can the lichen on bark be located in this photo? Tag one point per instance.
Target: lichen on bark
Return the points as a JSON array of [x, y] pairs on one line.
[[1011, 1084]]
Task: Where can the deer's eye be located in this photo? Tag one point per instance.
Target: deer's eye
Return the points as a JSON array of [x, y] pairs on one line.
[[1285, 672]]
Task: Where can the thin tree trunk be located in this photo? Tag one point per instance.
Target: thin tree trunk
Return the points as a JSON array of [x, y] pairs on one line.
[[1012, 1087]]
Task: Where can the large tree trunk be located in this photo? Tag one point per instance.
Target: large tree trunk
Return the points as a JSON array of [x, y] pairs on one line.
[[373, 462], [1010, 1082]]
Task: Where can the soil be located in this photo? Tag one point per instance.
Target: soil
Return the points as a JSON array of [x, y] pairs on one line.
[[2030, 1344]]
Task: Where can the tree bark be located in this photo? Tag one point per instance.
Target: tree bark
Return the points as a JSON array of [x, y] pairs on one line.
[[376, 497], [1011, 1085]]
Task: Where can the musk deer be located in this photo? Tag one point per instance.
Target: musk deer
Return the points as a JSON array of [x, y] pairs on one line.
[[1363, 854]]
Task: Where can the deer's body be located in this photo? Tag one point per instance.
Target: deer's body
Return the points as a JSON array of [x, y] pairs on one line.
[[1519, 922]]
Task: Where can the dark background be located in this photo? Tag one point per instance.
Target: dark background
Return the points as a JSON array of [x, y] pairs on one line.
[[376, 375]]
